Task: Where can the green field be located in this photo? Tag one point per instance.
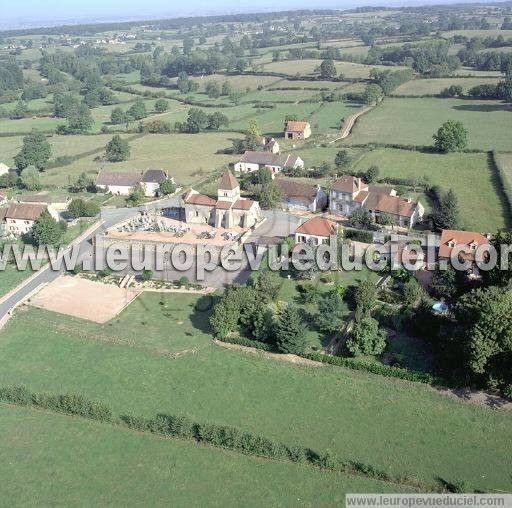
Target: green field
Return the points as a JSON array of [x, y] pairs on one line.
[[436, 86], [176, 153], [479, 211], [414, 121], [397, 426], [72, 460]]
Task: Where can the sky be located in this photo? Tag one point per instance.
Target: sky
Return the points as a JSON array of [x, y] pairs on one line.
[[40, 12]]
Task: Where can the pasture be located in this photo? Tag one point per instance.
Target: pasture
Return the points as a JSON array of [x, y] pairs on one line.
[[66, 456], [479, 211], [132, 367], [414, 121], [436, 86]]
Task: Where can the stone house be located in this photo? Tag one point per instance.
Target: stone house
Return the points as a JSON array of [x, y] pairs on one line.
[[253, 161], [118, 182], [316, 231], [151, 181], [301, 196], [349, 193], [297, 130], [19, 218]]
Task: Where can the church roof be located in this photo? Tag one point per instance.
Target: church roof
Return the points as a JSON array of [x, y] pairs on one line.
[[228, 181]]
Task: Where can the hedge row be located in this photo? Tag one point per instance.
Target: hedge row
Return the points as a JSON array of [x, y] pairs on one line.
[[378, 368], [76, 405], [359, 235], [243, 341], [504, 181], [222, 436]]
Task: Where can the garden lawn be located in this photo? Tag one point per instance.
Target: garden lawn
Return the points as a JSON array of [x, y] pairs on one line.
[[71, 460], [414, 121], [401, 427], [468, 174]]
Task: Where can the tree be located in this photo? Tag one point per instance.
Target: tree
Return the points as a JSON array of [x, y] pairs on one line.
[[35, 151], [366, 297], [252, 136], [118, 116], [412, 292], [63, 103], [331, 312], [485, 331], [83, 208], [138, 110], [342, 159], [19, 111], [446, 214], [83, 182], [212, 89], [452, 91], [79, 118], [328, 69], [146, 274], [366, 338], [117, 149], [372, 94], [360, 219], [371, 174], [197, 120], [29, 178], [385, 219], [290, 331], [450, 137], [46, 230], [269, 285], [227, 89], [270, 196], [186, 85], [157, 127], [136, 196], [167, 187], [217, 120], [161, 105]]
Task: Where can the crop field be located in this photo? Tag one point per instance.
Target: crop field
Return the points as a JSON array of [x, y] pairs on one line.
[[479, 211], [435, 86], [414, 121], [208, 383]]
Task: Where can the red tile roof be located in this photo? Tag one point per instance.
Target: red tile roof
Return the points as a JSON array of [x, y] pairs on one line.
[[243, 204], [294, 126], [465, 238], [22, 211], [317, 226], [224, 205], [199, 199], [228, 181], [348, 183], [389, 204]]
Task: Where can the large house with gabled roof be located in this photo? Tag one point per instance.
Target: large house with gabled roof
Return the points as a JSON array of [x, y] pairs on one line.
[[349, 194]]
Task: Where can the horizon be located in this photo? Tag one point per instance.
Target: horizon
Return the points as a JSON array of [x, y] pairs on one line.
[[32, 14]]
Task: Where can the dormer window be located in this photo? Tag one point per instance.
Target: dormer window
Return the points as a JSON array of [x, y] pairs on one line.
[[473, 246], [451, 244]]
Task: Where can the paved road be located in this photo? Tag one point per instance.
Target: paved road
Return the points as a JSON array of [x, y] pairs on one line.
[[278, 225], [110, 216]]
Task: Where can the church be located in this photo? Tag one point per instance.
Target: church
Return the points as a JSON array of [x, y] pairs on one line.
[[227, 211]]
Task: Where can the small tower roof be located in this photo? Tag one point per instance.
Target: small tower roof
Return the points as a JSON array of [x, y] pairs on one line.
[[228, 181]]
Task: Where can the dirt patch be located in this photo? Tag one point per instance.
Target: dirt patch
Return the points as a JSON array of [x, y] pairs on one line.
[[85, 299], [276, 356], [478, 398]]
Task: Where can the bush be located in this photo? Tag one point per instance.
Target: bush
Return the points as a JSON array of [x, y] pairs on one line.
[[359, 235]]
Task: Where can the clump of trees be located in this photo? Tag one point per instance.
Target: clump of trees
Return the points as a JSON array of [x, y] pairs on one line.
[[199, 121], [117, 149], [35, 151], [47, 231], [83, 208], [452, 136]]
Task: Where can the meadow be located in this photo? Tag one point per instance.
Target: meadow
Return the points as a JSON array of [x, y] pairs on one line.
[[72, 459], [479, 211], [400, 427], [414, 121], [435, 86]]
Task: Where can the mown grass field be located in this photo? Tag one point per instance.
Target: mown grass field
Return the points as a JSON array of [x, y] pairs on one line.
[[480, 210], [71, 460], [396, 426], [307, 67], [436, 86], [414, 121], [505, 162], [177, 153]]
